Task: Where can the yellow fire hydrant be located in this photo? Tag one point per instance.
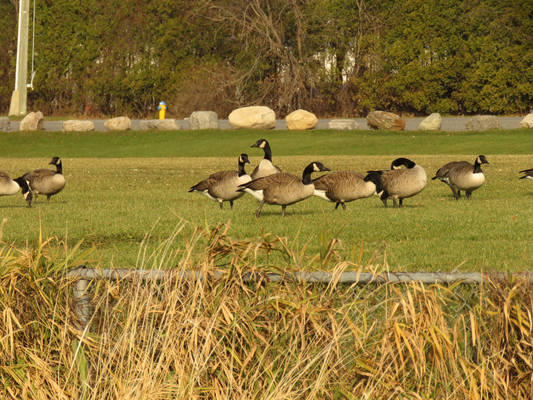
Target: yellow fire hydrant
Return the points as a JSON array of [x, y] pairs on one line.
[[162, 107]]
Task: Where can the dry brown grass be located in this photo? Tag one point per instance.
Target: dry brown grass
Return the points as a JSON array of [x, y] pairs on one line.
[[225, 339]]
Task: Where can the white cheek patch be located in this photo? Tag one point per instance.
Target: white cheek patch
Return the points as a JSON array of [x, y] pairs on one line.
[[262, 145]]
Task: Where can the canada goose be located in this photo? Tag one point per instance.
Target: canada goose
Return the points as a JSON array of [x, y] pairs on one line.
[[265, 166], [46, 181], [223, 186], [461, 175], [342, 187], [9, 187], [399, 183], [283, 189], [528, 174]]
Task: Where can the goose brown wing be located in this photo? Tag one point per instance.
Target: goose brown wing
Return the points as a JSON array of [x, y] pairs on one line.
[[38, 174], [461, 168], [393, 180], [345, 178], [213, 179], [4, 176], [443, 171], [275, 180]]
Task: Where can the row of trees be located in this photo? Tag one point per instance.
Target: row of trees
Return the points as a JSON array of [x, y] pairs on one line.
[[334, 57]]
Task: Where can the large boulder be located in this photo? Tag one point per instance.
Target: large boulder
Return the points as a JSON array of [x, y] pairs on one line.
[[301, 120], [343, 124], [253, 117], [432, 122], [527, 122], [385, 120], [159, 125], [483, 123], [5, 124], [118, 124], [32, 122], [203, 120], [73, 125]]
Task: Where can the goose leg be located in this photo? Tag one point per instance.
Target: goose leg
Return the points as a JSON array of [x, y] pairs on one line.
[[384, 198], [401, 202], [456, 193], [220, 204], [258, 211], [343, 206], [48, 198], [394, 202], [231, 204], [468, 194], [283, 210], [337, 205]]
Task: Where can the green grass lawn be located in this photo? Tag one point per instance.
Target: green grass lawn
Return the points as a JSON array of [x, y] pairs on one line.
[[120, 186]]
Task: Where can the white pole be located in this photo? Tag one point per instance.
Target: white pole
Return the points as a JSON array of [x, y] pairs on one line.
[[19, 97]]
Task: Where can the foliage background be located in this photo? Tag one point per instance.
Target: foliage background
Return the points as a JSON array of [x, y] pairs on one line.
[[334, 57]]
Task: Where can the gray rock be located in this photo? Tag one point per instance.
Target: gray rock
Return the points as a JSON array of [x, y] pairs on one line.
[[118, 124], [483, 123], [73, 125], [32, 122], [432, 122], [203, 120], [301, 120], [5, 124], [385, 120], [527, 122], [343, 124], [253, 117], [159, 125]]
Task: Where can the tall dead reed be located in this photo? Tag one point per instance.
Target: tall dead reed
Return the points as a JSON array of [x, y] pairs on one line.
[[224, 338]]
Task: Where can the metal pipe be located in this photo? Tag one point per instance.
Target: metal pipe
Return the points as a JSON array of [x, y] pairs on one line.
[[350, 277]]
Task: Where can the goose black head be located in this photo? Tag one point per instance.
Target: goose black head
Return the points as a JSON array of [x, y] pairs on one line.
[[243, 158], [375, 178], [55, 161], [261, 143], [318, 166], [25, 188], [396, 164], [315, 166], [481, 159]]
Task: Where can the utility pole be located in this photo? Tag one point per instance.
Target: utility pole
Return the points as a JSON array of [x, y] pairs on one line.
[[20, 94]]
